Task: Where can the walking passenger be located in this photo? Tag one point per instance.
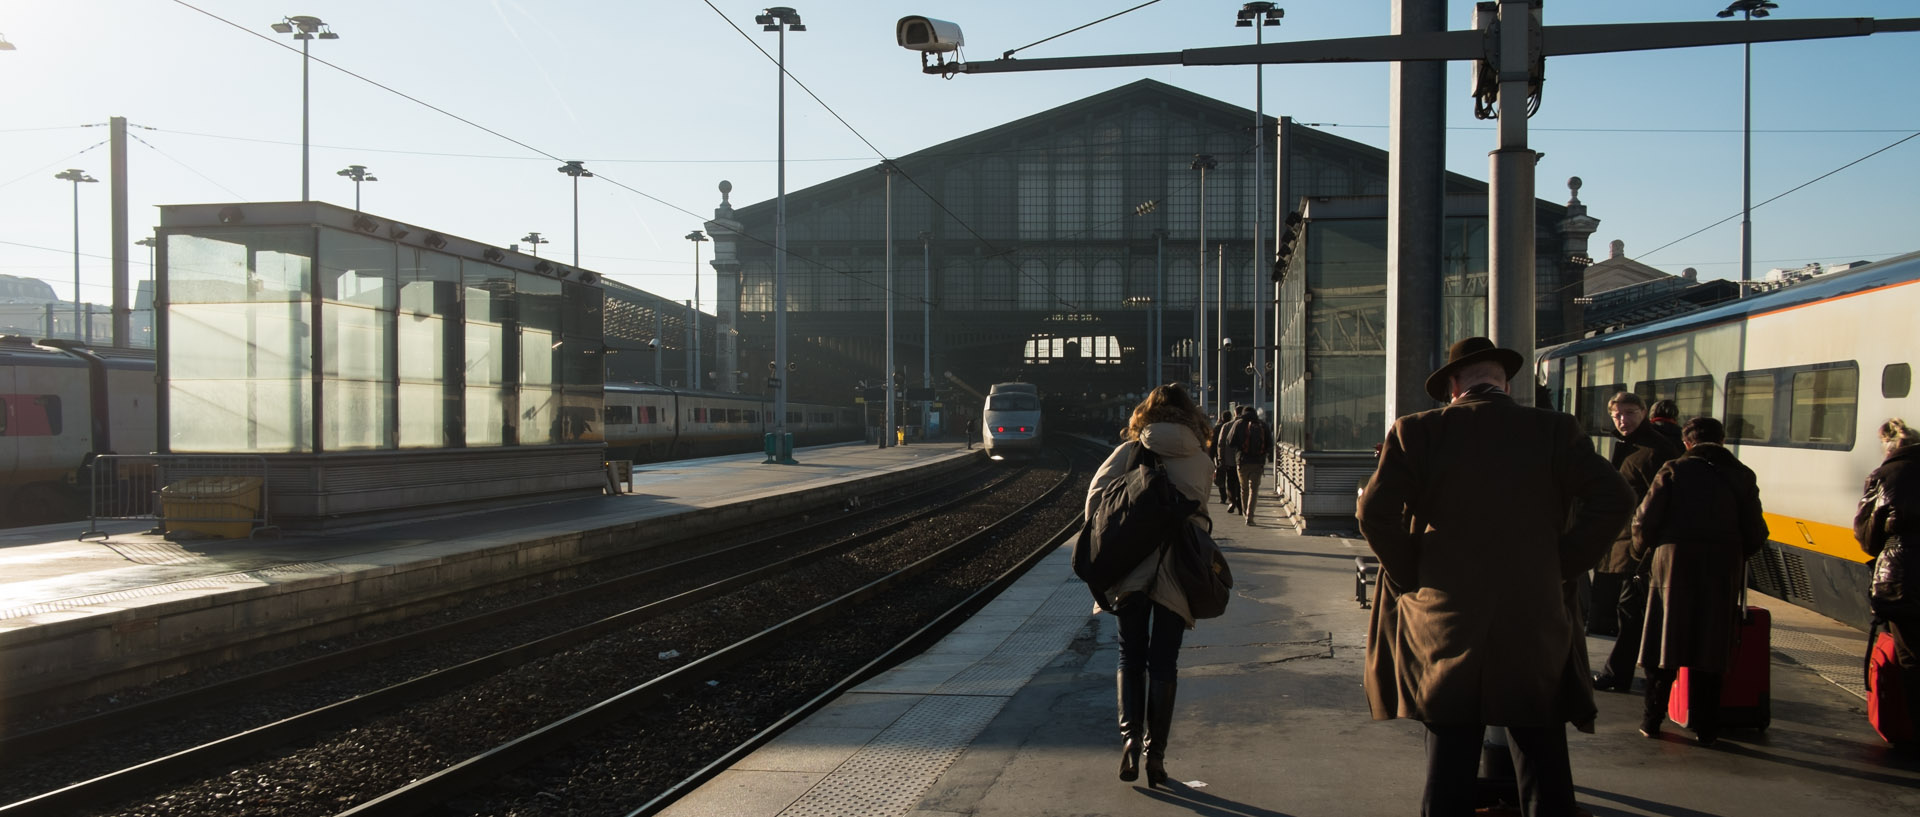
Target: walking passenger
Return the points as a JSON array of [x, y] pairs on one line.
[[1482, 513], [1224, 476], [1253, 444], [1664, 416], [1699, 523], [1890, 508], [1639, 454], [973, 427], [1151, 608]]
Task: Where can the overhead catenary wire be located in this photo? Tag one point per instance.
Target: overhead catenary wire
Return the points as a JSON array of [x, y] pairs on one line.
[[1797, 188]]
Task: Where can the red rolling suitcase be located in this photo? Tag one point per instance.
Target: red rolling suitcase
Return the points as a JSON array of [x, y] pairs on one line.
[[1745, 694], [1886, 696]]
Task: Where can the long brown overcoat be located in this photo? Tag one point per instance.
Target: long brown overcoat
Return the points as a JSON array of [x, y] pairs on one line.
[[1699, 522], [1638, 456], [1482, 513]]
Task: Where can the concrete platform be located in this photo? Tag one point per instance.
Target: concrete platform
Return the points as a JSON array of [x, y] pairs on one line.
[[81, 618], [1013, 714]]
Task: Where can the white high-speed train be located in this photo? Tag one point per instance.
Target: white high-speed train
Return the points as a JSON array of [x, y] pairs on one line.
[[1802, 377], [1010, 422]]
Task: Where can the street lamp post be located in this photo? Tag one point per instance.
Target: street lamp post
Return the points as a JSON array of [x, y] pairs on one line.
[[306, 30], [576, 168], [1747, 9], [696, 237], [780, 19], [77, 176], [153, 271], [535, 240], [1202, 162], [1267, 15], [358, 173], [926, 329], [887, 423]]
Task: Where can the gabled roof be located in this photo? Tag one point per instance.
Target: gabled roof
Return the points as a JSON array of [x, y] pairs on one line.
[[1130, 95]]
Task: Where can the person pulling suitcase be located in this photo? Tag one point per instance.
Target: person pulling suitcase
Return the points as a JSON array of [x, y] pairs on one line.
[[1700, 522]]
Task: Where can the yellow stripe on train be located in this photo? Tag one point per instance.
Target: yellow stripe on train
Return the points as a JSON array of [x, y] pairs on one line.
[[1819, 537]]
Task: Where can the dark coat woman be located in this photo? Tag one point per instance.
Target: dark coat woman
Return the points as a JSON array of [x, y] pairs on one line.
[[1699, 523], [1890, 505], [1149, 603]]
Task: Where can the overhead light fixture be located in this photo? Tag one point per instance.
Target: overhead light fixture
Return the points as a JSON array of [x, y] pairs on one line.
[[588, 277], [543, 268], [398, 231], [434, 241], [365, 225], [494, 254], [231, 215]]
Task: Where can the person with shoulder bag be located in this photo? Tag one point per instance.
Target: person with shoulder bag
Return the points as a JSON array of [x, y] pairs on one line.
[[1149, 599], [1886, 524]]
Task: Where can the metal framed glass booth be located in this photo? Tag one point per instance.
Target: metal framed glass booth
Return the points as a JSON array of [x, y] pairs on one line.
[[379, 367]]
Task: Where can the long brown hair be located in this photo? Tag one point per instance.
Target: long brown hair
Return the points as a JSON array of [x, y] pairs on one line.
[[1168, 404]]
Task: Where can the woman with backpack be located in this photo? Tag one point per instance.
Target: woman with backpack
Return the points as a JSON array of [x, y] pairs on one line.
[[1152, 610]]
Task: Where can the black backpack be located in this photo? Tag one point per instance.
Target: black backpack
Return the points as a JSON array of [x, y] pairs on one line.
[[1251, 438], [1131, 517]]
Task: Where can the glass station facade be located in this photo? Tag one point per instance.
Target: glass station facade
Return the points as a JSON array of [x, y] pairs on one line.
[[309, 328]]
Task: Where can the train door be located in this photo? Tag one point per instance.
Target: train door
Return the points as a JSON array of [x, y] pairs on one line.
[[9, 444]]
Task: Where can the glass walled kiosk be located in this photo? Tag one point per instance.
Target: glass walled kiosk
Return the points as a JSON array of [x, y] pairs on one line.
[[380, 368]]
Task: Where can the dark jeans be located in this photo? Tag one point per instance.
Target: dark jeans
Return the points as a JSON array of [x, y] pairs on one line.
[[1149, 638], [1539, 762], [1632, 615], [1228, 481], [1703, 698]]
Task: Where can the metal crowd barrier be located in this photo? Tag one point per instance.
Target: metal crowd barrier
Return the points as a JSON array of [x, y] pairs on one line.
[[214, 495]]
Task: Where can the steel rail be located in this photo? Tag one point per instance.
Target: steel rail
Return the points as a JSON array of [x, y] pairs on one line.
[[153, 773], [486, 767], [908, 647], [121, 719]]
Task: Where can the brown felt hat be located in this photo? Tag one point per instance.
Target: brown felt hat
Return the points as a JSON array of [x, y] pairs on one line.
[[1466, 353]]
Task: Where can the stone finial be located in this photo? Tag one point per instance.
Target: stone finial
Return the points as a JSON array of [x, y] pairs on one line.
[[1690, 274], [726, 187], [1573, 184], [1616, 249]]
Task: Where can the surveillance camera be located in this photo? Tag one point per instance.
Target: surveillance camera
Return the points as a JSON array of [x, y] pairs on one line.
[[926, 34], [1226, 344], [653, 343]]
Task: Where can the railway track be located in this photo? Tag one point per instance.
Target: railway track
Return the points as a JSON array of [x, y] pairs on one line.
[[771, 591]]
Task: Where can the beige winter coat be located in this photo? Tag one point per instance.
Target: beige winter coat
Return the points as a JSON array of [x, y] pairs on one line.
[[1192, 473]]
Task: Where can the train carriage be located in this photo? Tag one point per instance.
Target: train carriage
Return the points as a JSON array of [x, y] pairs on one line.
[[1802, 377]]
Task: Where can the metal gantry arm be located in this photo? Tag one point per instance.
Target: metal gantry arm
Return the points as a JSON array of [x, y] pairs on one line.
[[1465, 44]]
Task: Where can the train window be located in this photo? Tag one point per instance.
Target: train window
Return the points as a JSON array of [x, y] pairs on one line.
[[1895, 380], [752, 415], [30, 415], [733, 416], [1692, 395], [1750, 407], [793, 418], [1591, 407], [1824, 404], [618, 415]]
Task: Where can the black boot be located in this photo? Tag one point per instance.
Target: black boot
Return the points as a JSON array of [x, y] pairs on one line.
[[1133, 704], [1159, 723]]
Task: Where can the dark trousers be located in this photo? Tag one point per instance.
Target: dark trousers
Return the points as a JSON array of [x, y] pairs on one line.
[[1632, 615], [1906, 637], [1603, 609], [1228, 481], [1539, 762], [1703, 698], [1149, 638]]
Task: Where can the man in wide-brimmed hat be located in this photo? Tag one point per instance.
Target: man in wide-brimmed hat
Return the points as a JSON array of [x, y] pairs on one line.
[[1468, 510]]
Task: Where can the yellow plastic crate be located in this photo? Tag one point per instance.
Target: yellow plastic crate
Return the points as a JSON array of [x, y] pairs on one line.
[[199, 504]]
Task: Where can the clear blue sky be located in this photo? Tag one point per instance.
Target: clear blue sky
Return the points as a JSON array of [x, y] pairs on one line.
[[666, 98]]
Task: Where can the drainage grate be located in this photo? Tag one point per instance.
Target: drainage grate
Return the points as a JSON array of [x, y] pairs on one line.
[[1833, 662]]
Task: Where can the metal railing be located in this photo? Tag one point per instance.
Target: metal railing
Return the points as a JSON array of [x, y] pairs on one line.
[[213, 495]]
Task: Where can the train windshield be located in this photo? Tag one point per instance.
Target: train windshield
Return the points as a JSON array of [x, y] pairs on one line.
[[1013, 401]]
